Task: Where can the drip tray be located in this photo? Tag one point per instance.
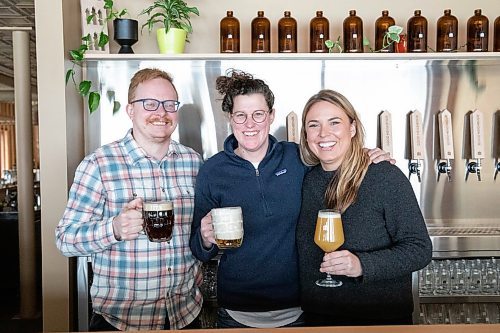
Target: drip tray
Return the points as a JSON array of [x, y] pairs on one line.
[[465, 241], [464, 231]]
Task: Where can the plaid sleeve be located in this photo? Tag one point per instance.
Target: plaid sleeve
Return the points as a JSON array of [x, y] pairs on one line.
[[83, 229]]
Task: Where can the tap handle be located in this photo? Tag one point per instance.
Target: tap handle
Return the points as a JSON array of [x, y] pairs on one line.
[[497, 169], [386, 142], [444, 167], [414, 168], [474, 167]]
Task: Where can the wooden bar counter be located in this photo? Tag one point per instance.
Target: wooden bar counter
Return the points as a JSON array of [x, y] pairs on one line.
[[464, 328]]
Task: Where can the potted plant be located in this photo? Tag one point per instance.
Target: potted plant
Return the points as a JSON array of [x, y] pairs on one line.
[[174, 16], [77, 55]]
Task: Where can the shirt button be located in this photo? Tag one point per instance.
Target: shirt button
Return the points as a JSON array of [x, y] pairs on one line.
[[170, 269]]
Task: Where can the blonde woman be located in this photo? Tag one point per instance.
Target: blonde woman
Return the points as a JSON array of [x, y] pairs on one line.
[[385, 234]]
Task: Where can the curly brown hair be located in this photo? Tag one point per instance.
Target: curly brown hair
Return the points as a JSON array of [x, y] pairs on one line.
[[237, 82]]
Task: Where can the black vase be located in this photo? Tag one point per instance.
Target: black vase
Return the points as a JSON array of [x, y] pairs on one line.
[[126, 33]]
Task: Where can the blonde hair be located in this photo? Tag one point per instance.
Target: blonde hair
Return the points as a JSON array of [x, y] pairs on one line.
[[343, 188], [147, 74]]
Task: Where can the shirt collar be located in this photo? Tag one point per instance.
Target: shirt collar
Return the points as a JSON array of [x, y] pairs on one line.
[[136, 152]]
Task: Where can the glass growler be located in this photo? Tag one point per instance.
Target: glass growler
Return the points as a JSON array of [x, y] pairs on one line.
[[477, 32], [417, 33], [261, 34], [447, 33], [496, 43], [382, 25], [318, 33], [230, 34], [353, 33], [287, 34]]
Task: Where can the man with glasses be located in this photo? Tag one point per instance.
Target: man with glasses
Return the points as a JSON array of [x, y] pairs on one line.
[[137, 284]]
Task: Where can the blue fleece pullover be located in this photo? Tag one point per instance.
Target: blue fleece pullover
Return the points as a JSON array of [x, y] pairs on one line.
[[262, 274]]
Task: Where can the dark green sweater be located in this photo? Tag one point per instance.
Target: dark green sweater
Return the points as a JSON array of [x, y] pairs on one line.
[[385, 229]]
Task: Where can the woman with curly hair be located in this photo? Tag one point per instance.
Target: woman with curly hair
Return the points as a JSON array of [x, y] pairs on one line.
[[257, 283]]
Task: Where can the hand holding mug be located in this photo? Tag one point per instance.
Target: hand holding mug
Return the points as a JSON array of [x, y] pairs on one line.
[[207, 231], [128, 224]]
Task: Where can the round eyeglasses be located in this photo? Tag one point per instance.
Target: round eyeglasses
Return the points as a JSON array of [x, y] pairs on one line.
[[151, 104], [258, 116]]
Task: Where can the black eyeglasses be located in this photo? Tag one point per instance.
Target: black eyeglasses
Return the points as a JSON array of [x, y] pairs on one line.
[[151, 104], [258, 116]]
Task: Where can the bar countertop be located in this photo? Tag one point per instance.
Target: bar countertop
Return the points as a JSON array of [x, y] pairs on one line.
[[463, 328]]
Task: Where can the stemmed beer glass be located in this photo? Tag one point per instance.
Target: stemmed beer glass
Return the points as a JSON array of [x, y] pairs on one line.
[[329, 236]]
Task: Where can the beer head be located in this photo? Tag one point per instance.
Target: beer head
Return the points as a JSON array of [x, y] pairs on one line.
[[329, 213], [157, 206], [228, 226]]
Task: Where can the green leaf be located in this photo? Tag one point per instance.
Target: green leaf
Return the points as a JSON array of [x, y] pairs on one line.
[[108, 4], [94, 99], [69, 74], [84, 87], [394, 37], [103, 39], [329, 43], [90, 18], [116, 106], [395, 29], [366, 41], [76, 55]]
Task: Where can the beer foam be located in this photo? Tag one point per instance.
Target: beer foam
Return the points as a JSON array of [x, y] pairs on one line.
[[227, 213], [228, 222], [328, 213], [158, 206]]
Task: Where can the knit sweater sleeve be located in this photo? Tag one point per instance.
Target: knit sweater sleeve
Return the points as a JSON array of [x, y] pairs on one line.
[[411, 247], [203, 203]]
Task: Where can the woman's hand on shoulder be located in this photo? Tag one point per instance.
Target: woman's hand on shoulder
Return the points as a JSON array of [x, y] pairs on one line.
[[378, 155]]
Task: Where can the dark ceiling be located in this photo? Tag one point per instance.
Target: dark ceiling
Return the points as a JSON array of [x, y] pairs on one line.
[[14, 13]]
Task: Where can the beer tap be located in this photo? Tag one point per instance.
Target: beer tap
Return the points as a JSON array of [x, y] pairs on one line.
[[497, 169], [385, 121], [292, 127], [416, 144], [477, 144], [445, 144]]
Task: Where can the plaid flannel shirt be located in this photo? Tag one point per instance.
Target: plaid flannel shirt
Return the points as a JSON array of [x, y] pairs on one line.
[[137, 283]]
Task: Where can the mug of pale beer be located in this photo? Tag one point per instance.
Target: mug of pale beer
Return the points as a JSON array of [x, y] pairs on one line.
[[228, 227], [158, 220], [329, 236]]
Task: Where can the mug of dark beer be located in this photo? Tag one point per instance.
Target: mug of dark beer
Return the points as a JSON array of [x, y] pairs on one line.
[[158, 220], [228, 227]]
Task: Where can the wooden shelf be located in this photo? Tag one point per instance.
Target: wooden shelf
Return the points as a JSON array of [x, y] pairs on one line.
[[298, 56]]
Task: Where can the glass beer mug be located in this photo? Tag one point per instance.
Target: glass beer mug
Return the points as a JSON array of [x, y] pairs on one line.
[[329, 236]]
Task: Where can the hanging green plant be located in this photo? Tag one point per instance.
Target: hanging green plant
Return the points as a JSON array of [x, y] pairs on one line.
[[77, 56], [333, 45]]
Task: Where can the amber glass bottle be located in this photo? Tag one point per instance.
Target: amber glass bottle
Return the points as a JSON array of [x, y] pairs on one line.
[[477, 32], [417, 33], [287, 34], [230, 34], [261, 34], [319, 28], [353, 33], [382, 24], [496, 36], [447, 33]]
